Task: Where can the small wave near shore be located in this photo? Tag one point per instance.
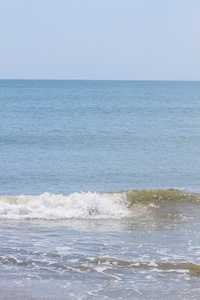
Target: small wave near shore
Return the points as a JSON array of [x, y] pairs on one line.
[[87, 205]]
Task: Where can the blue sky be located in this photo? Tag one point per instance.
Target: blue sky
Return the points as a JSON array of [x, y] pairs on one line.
[[100, 39]]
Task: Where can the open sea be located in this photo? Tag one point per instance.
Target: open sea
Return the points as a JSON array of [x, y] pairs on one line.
[[99, 190]]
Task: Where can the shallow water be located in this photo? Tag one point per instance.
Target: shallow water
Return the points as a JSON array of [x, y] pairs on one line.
[[152, 253]]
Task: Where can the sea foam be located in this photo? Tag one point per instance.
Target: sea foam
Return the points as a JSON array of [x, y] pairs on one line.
[[77, 205]]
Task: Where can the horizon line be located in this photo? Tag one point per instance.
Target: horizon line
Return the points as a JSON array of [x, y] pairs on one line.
[[61, 79]]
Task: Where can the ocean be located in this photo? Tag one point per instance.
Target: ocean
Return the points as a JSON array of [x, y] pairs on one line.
[[99, 189]]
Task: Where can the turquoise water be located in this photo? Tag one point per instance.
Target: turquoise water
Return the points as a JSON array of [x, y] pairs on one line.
[[99, 189]]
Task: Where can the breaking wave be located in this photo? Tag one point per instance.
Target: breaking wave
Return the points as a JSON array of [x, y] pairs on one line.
[[86, 205]]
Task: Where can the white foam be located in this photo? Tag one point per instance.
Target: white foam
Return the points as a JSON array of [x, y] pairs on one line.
[[49, 206]]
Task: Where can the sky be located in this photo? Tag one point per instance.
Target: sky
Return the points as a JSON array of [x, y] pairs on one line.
[[100, 39]]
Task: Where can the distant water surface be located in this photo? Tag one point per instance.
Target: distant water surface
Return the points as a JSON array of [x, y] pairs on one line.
[[72, 136]]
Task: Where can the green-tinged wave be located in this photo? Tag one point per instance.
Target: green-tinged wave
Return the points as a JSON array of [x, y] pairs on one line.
[[180, 267], [158, 196]]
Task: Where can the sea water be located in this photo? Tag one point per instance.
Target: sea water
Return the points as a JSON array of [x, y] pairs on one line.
[[99, 189]]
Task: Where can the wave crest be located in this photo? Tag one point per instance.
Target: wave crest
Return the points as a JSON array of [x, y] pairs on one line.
[[49, 206], [88, 205]]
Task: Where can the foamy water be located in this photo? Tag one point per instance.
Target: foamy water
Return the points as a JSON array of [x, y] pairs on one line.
[[90, 205], [150, 250], [78, 205]]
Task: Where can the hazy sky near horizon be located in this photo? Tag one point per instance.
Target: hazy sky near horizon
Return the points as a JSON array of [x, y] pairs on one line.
[[100, 39]]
